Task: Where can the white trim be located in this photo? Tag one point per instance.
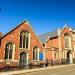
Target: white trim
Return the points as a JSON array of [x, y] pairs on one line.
[[74, 48], [7, 43], [63, 54], [25, 40], [13, 52], [22, 41], [65, 26], [70, 44], [64, 42], [37, 54], [27, 58], [1, 60], [29, 41], [71, 58], [59, 32], [44, 54], [53, 54], [10, 60], [15, 60], [23, 49], [59, 44]]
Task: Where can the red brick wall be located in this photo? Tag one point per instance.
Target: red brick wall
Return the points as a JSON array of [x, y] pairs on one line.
[[51, 43], [14, 37], [48, 55], [54, 42]]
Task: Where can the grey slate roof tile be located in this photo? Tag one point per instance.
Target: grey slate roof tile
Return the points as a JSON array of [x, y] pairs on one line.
[[43, 37]]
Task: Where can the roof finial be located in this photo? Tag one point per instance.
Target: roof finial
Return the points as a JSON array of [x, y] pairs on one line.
[[65, 25]]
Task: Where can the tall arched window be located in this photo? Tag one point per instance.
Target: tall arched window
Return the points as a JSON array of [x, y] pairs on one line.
[[8, 50], [24, 39], [66, 40], [35, 53]]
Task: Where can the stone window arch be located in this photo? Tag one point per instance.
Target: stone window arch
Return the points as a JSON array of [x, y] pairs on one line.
[[35, 53], [67, 40], [9, 49], [24, 39]]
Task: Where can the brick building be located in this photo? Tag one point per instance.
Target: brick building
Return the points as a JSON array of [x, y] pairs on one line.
[[20, 46], [59, 44]]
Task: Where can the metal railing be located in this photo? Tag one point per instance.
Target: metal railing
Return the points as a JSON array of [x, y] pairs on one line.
[[40, 65]]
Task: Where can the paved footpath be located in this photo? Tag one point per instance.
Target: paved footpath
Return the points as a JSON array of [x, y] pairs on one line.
[[51, 70]]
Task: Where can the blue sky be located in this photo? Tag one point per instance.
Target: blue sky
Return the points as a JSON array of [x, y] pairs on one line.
[[43, 15]]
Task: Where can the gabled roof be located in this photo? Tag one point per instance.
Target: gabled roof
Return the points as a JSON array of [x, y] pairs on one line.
[[54, 34], [24, 21], [65, 26], [44, 37]]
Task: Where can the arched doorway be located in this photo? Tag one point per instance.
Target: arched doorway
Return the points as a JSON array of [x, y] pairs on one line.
[[69, 57], [23, 58]]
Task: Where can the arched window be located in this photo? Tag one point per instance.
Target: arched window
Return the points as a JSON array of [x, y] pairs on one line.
[[66, 41], [8, 50], [24, 39], [35, 53]]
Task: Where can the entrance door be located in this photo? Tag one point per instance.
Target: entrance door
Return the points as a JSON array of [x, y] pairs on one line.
[[69, 57], [23, 60]]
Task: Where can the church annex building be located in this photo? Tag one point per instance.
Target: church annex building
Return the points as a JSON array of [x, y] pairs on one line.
[[59, 45]]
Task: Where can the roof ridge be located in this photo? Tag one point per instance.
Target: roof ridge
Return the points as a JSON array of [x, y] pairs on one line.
[[47, 32], [46, 36], [24, 21]]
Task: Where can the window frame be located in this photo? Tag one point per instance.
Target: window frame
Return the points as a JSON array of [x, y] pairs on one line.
[[8, 54], [28, 36], [36, 54], [69, 41]]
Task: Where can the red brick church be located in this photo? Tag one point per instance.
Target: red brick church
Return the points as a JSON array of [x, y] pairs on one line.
[[20, 46]]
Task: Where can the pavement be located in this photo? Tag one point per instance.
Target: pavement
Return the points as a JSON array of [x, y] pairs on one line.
[[51, 70]]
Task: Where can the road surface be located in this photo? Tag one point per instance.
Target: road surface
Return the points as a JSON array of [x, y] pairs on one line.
[[68, 70], [52, 70]]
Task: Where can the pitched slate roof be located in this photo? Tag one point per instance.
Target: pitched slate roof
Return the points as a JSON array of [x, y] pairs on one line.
[[44, 37]]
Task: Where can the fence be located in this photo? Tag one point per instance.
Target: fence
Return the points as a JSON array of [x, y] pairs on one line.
[[41, 65]]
